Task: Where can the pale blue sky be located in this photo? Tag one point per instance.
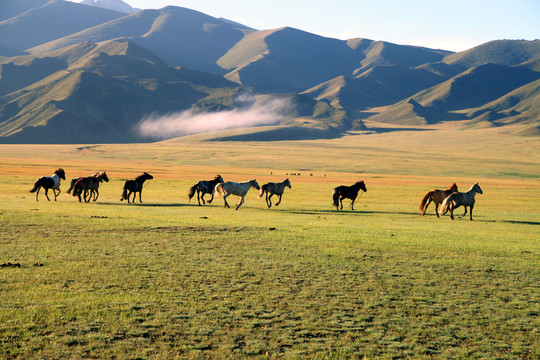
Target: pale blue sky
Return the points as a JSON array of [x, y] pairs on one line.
[[451, 25]]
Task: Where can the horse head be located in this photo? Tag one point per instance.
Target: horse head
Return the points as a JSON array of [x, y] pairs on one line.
[[253, 183], [61, 173], [219, 179], [453, 188], [147, 176], [477, 188], [362, 185], [287, 182], [103, 176]]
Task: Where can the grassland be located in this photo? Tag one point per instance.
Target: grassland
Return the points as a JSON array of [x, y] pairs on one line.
[[169, 279]]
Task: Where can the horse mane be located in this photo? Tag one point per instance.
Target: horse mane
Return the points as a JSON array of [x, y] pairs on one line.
[[454, 185]]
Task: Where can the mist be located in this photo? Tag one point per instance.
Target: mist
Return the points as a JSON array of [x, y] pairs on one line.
[[249, 114]]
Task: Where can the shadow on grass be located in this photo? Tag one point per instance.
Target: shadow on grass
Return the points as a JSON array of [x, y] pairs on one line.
[[519, 222]]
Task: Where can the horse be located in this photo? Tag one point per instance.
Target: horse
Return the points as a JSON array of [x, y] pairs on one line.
[[457, 199], [234, 188], [135, 186], [205, 187], [347, 192], [437, 196], [49, 182], [274, 189], [90, 183]]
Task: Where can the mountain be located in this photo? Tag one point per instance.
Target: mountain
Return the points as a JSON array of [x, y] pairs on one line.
[[502, 52], [181, 37], [291, 60], [46, 22], [471, 89], [100, 96], [116, 5], [90, 93], [76, 73]]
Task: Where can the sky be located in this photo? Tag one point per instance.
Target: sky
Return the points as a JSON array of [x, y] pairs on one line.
[[454, 25]]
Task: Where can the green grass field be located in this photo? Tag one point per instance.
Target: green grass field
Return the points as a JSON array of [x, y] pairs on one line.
[[169, 279]]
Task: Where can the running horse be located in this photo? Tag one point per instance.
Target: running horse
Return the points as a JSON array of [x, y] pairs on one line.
[[233, 188], [274, 189], [457, 199], [49, 182], [90, 186], [347, 192], [135, 186], [437, 196], [205, 187]]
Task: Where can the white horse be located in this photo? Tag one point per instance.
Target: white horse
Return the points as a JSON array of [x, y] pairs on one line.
[[457, 199], [233, 188], [49, 182], [274, 189]]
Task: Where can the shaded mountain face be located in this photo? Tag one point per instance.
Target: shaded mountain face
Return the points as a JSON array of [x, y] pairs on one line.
[[76, 73]]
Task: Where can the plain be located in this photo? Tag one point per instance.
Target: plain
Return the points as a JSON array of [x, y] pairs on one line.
[[169, 279]]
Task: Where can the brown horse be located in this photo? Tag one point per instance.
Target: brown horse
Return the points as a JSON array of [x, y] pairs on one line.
[[205, 187], [90, 186], [347, 192], [437, 196], [274, 189]]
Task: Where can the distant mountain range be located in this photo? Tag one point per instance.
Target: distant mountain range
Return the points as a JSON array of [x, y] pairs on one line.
[[73, 73]]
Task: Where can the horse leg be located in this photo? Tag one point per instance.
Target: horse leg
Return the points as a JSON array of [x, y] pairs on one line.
[[352, 203], [202, 198], [437, 205], [269, 200], [470, 212], [240, 203], [279, 201], [96, 195], [37, 193], [140, 193], [451, 213], [55, 194], [465, 213], [211, 198], [341, 203], [225, 200], [87, 195], [46, 194], [426, 206]]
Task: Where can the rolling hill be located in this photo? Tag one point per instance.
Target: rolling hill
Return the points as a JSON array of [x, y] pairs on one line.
[[76, 73]]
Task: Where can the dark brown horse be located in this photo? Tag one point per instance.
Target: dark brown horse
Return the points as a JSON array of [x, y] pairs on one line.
[[347, 192], [49, 182], [437, 196], [205, 187], [89, 185], [135, 186]]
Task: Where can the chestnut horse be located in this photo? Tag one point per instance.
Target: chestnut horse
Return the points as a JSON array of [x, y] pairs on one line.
[[437, 196], [90, 183], [347, 192]]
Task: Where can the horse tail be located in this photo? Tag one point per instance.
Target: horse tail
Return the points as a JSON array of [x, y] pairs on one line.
[[192, 191], [424, 200], [264, 188], [124, 192], [77, 187], [36, 186], [335, 196], [446, 204], [219, 190]]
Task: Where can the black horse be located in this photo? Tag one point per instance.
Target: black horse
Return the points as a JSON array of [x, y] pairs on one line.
[[205, 187], [347, 192], [135, 186], [49, 182]]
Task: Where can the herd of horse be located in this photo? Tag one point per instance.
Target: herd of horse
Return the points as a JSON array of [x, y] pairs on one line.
[[87, 188]]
